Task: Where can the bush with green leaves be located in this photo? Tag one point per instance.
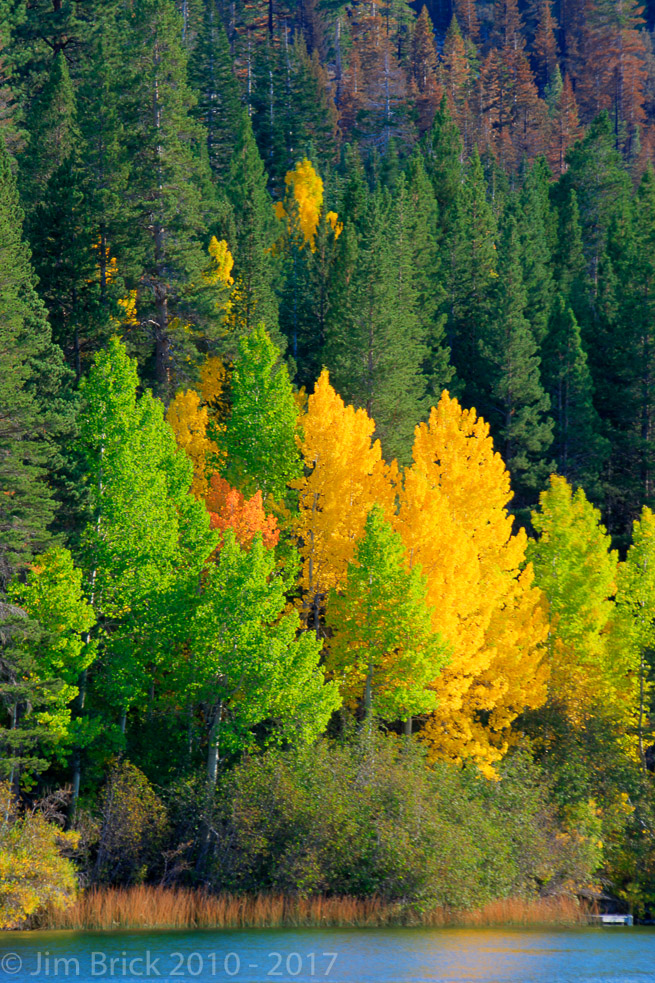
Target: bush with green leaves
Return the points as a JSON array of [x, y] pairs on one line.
[[374, 818]]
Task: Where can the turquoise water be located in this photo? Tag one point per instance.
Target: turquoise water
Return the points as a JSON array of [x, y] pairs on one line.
[[593, 955]]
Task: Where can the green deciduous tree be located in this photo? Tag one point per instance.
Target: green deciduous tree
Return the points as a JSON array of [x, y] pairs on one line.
[[45, 649], [383, 649], [259, 437], [147, 537], [249, 663]]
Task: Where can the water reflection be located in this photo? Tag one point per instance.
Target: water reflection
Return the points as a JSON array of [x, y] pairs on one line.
[[594, 955]]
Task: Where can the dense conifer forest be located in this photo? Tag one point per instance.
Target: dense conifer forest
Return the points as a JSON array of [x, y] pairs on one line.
[[327, 449]]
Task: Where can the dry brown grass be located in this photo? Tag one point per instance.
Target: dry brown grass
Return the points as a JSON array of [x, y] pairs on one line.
[[158, 907]]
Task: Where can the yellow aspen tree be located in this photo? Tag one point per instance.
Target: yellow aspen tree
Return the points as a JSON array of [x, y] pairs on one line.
[[195, 417], [189, 419], [345, 477], [303, 204], [303, 201], [453, 520]]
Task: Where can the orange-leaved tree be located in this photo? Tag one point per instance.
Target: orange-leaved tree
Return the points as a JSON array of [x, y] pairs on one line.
[[229, 509], [345, 477], [454, 523]]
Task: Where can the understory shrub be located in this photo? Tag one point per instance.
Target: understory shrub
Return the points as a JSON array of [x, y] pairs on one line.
[[373, 817], [33, 873]]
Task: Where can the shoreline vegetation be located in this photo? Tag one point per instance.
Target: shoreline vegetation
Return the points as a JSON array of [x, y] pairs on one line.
[[143, 906]]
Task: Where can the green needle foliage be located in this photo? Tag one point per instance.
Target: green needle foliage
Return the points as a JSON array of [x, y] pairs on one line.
[[33, 410]]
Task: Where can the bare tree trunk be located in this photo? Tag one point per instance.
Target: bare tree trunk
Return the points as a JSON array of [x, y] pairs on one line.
[[213, 758]]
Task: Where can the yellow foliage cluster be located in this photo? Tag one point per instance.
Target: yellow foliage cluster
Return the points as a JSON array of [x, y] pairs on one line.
[[222, 263], [454, 522], [345, 477], [303, 203], [450, 510], [33, 873], [189, 416]]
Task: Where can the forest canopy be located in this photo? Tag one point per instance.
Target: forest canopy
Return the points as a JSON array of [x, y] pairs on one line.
[[327, 406]]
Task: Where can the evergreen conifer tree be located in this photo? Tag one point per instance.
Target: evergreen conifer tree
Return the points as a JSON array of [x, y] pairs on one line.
[[34, 411], [168, 193], [251, 237], [375, 347], [470, 273], [219, 100], [578, 447], [518, 404]]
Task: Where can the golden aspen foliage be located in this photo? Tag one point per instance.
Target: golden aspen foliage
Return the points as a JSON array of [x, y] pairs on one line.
[[195, 416], [344, 477], [189, 419], [302, 205], [453, 520], [219, 275], [222, 263], [214, 378], [127, 311]]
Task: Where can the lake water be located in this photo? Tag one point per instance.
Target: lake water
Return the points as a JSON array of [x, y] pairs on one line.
[[593, 955]]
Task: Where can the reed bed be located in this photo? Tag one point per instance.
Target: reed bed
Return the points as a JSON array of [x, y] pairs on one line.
[[159, 907]]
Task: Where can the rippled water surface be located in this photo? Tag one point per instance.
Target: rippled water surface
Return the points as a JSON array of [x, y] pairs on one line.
[[594, 955]]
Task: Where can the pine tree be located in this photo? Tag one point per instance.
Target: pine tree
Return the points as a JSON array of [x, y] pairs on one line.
[[219, 100], [375, 349], [568, 257], [601, 184], [416, 225], [105, 167], [470, 271], [424, 66], [537, 233], [545, 46], [251, 237], [33, 407], [578, 447], [565, 126], [518, 404], [444, 153], [166, 187], [456, 74]]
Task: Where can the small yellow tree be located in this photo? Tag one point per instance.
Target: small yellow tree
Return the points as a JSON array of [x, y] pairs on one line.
[[190, 415], [303, 203], [454, 523]]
